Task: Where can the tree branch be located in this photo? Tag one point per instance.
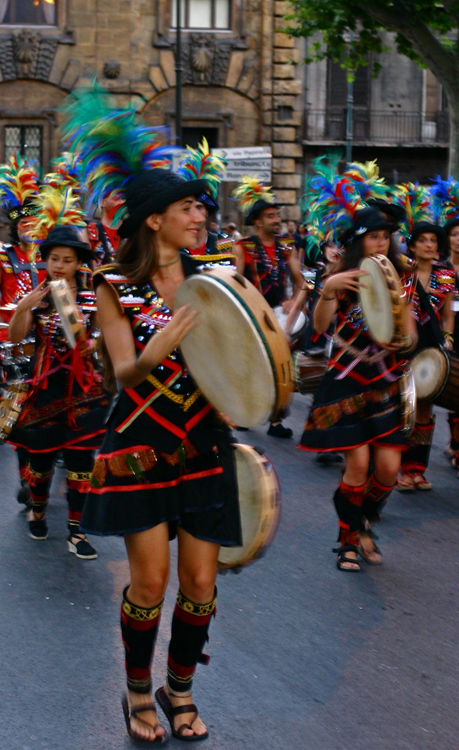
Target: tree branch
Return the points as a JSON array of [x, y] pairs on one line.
[[403, 19]]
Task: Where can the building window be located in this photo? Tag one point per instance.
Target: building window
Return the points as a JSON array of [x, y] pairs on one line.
[[202, 14], [29, 12], [25, 140]]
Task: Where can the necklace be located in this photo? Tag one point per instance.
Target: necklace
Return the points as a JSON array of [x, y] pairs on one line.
[[171, 263]]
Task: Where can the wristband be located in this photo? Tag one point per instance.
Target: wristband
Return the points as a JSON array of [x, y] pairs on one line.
[[449, 336]]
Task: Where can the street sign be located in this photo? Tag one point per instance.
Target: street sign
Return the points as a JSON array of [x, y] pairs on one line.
[[250, 160]]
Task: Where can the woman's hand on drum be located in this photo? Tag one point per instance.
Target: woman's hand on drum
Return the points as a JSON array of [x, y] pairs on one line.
[[33, 298], [160, 346], [348, 280], [448, 345]]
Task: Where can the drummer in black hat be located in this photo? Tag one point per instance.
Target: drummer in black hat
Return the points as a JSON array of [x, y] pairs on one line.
[[357, 407], [166, 466], [66, 404], [263, 257], [433, 310]]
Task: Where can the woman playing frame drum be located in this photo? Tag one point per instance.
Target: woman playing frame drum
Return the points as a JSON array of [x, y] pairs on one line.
[[66, 404], [166, 467], [357, 408], [432, 306]]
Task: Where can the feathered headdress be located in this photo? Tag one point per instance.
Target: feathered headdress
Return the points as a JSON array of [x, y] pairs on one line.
[[54, 207], [18, 185], [331, 201], [367, 181], [66, 173], [250, 191], [414, 198], [445, 199], [114, 144], [200, 163]]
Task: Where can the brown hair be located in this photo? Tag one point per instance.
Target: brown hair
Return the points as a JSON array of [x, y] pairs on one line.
[[137, 257]]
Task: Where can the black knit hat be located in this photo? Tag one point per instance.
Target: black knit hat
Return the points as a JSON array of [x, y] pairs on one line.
[[153, 191], [257, 208], [66, 236], [424, 227]]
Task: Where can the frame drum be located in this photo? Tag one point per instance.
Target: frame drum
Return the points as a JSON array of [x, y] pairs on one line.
[[259, 505], [238, 354], [69, 314], [436, 374], [381, 299]]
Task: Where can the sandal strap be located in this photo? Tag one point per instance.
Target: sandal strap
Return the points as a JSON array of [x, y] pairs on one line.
[[187, 726], [188, 709], [134, 710], [346, 548]]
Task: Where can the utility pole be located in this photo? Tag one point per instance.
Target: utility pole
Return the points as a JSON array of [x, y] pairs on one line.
[[349, 112], [178, 75]]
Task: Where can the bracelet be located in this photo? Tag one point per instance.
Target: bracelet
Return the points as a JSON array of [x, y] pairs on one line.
[[449, 336], [408, 343]]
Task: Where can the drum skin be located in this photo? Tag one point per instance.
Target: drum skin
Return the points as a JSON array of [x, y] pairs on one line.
[[298, 329], [74, 328], [381, 299], [408, 401], [436, 373], [259, 505], [238, 354]]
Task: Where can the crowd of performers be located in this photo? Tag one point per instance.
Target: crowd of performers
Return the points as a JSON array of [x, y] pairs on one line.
[[147, 457]]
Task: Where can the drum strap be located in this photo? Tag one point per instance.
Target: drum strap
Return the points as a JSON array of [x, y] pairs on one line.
[[18, 266], [426, 304]]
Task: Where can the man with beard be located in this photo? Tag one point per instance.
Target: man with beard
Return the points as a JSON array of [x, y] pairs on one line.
[[263, 258]]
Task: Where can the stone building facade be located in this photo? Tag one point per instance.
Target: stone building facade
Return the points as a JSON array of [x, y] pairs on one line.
[[240, 87]]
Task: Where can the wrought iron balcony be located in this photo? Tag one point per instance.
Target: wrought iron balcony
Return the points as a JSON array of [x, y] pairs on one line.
[[389, 127]]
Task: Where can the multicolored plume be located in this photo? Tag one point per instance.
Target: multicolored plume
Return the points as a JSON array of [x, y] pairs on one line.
[[18, 184], [366, 180], [200, 163], [445, 199], [114, 144], [66, 173], [54, 207], [331, 200], [415, 199], [251, 190]]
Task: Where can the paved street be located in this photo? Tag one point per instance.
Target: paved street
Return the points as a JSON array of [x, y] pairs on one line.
[[302, 656]]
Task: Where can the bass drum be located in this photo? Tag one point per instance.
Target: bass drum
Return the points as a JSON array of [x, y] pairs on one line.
[[309, 371], [238, 354], [436, 374], [259, 505], [381, 299]]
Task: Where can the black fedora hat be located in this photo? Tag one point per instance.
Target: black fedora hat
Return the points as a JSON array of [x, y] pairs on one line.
[[395, 213], [258, 207], [450, 224], [366, 220], [151, 192], [425, 227], [66, 236]]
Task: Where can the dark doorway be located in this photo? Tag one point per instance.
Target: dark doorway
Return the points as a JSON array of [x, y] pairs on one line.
[[193, 136]]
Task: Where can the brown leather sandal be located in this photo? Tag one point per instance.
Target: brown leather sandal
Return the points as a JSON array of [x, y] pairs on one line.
[[132, 712], [171, 712]]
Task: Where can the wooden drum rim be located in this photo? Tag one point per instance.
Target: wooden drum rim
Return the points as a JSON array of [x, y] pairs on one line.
[[388, 270]]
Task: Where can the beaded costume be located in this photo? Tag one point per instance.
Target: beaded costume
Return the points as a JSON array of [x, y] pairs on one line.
[[266, 268], [165, 456]]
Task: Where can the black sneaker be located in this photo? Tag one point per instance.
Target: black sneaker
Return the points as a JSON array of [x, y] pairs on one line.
[[38, 529], [279, 431], [82, 548]]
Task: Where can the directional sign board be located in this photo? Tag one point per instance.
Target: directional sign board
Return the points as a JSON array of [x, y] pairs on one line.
[[252, 160]]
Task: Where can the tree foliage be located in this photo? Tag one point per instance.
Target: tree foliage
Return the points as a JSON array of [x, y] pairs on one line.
[[425, 31]]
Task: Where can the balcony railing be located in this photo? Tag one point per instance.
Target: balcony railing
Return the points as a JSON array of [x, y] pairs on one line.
[[391, 127]]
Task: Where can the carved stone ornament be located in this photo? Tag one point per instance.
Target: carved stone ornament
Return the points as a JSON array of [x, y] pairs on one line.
[[112, 69], [205, 59], [26, 54]]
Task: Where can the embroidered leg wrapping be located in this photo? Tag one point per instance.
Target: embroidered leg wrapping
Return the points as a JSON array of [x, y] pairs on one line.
[[139, 627], [416, 459], [190, 626], [79, 465], [348, 503], [375, 498], [39, 476]]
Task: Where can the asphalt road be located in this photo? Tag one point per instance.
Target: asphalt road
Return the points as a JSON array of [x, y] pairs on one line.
[[302, 656]]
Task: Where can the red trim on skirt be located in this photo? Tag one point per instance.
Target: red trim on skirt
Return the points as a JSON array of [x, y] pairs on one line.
[[156, 485], [373, 441]]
